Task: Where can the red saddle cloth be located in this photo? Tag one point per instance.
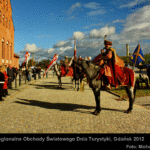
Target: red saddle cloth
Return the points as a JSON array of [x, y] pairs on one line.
[[64, 73], [124, 76], [129, 76]]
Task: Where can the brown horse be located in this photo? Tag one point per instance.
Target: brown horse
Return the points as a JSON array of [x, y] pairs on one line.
[[92, 71]]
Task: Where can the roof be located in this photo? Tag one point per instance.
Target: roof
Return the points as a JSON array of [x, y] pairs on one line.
[[16, 56]]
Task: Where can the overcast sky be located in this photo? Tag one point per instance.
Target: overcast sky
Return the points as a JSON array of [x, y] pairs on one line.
[[47, 27]]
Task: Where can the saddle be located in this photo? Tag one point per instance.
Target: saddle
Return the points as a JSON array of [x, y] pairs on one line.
[[125, 76]]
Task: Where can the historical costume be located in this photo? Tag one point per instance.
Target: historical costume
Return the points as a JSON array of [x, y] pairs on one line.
[[112, 66], [5, 84]]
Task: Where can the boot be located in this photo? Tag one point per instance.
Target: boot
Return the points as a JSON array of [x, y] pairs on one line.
[[108, 87]]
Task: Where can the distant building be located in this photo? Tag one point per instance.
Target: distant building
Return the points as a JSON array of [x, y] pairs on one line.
[[7, 55]]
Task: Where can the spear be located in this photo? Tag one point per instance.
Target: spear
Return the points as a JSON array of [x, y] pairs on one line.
[[75, 50]]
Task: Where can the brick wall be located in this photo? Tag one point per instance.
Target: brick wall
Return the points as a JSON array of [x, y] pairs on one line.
[[7, 35]]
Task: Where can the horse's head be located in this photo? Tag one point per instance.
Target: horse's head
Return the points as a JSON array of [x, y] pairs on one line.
[[88, 67], [78, 63]]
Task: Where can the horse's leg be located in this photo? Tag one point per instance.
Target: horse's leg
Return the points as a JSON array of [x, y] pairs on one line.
[[97, 99], [131, 95], [78, 85], [60, 82], [75, 83]]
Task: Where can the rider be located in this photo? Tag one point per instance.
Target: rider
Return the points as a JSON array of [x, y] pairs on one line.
[[66, 64], [111, 67]]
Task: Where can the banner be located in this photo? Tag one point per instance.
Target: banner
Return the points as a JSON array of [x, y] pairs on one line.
[[137, 56], [27, 55], [51, 63]]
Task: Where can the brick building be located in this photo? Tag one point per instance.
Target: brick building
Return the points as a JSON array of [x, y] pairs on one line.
[[7, 55]]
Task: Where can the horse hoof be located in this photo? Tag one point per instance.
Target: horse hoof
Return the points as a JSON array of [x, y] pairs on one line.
[[96, 112], [127, 111]]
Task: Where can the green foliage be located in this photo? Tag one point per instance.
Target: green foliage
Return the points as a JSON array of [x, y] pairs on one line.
[[127, 60], [147, 58]]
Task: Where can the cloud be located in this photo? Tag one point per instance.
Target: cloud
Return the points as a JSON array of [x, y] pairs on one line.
[[97, 12], [62, 44], [50, 50], [79, 35], [39, 53], [30, 48], [118, 21], [95, 7], [132, 3], [102, 32], [139, 23], [73, 8], [92, 5]]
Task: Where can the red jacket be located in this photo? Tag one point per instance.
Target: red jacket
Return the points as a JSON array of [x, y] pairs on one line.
[[6, 81]]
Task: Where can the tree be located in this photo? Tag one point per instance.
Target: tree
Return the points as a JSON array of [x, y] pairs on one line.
[[30, 62], [44, 63]]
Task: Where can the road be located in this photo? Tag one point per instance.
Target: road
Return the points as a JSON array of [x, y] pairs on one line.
[[41, 107]]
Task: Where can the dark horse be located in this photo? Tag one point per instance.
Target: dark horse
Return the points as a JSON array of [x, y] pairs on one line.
[[77, 74], [91, 70]]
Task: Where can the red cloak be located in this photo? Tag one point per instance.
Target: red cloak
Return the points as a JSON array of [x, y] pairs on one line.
[[5, 83]]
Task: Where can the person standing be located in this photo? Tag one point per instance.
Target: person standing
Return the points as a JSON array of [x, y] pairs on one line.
[[2, 80], [14, 73], [6, 81], [29, 73], [10, 76], [34, 73]]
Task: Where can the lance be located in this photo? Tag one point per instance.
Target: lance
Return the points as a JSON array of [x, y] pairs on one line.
[[75, 50]]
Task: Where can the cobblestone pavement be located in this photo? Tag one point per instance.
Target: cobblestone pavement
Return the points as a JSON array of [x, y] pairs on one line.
[[41, 107]]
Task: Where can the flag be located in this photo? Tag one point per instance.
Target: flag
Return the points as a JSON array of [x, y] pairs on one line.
[[27, 55], [137, 56], [51, 63]]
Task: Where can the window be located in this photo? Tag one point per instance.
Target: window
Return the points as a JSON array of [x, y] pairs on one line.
[[6, 23], [6, 6], [9, 25], [3, 20], [0, 16], [3, 49], [7, 50], [10, 51]]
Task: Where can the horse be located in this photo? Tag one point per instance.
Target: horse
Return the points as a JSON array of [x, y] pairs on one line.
[[92, 71], [77, 75]]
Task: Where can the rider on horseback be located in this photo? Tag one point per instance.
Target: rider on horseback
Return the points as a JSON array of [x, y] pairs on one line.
[[66, 64], [111, 68]]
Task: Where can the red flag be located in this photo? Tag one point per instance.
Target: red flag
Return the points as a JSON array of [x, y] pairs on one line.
[[51, 63], [26, 56]]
